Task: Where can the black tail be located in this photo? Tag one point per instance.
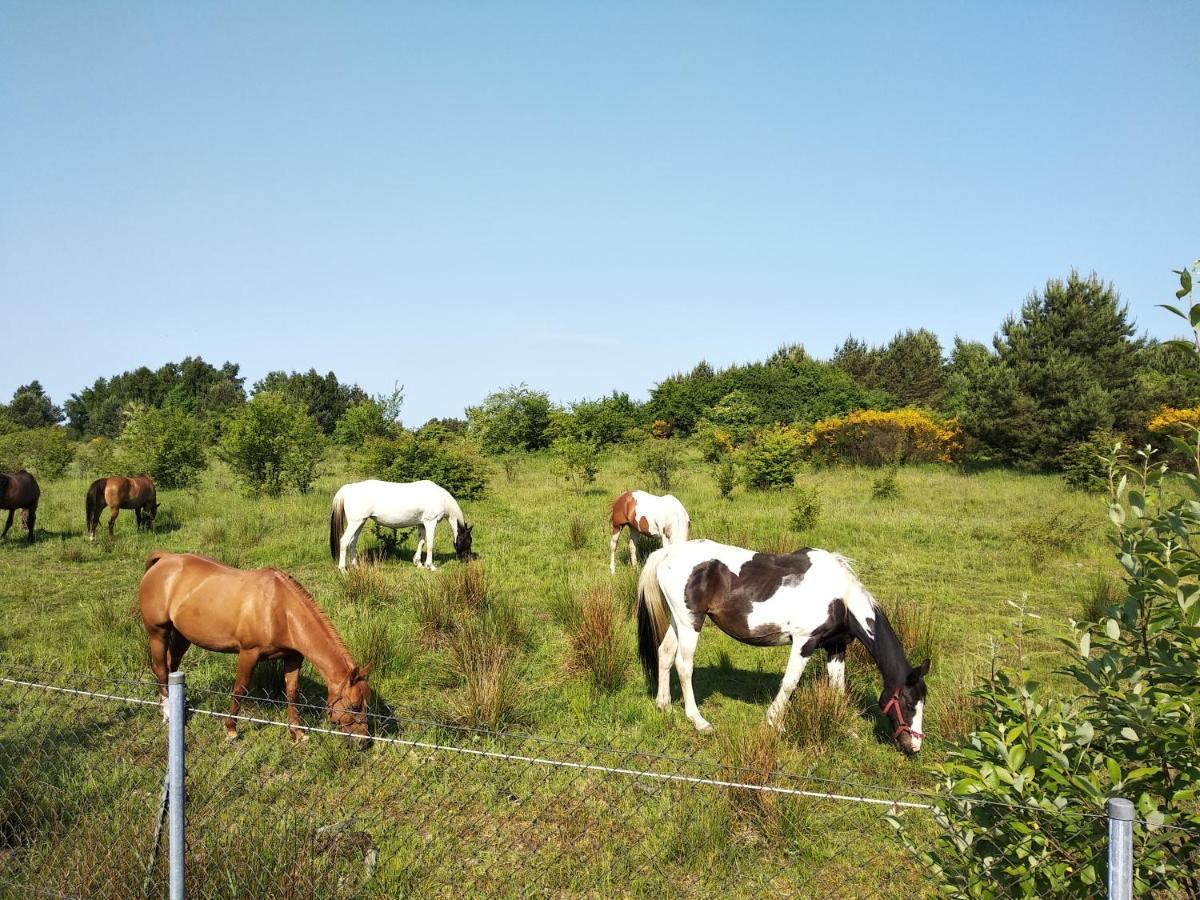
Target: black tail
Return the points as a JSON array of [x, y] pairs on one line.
[[95, 503]]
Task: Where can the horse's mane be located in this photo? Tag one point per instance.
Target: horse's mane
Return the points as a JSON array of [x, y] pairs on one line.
[[321, 615]]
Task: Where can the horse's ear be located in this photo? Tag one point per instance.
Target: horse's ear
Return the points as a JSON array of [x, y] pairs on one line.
[[360, 674], [919, 672]]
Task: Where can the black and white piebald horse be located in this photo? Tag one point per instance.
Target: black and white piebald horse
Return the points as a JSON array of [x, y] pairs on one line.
[[810, 598]]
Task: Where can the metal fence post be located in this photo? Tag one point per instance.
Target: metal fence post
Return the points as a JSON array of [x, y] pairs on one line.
[[1120, 849], [175, 713]]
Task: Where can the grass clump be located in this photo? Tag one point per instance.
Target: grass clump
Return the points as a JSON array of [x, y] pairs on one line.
[[887, 485], [818, 716], [1102, 594], [577, 534], [750, 755], [596, 639], [447, 599], [365, 583], [484, 663]]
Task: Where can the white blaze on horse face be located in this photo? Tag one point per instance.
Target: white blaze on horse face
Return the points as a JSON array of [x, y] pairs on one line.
[[917, 722]]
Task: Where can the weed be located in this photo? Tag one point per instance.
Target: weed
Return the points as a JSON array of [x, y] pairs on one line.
[[484, 663], [818, 715]]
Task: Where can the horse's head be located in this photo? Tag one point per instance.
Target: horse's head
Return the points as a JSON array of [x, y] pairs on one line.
[[150, 511], [462, 543], [904, 706], [348, 706]]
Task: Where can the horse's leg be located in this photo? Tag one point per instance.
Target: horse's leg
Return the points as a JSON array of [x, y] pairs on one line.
[[247, 660], [420, 546], [612, 551], [791, 677], [160, 640], [291, 687], [835, 667], [175, 650], [684, 659], [349, 543], [112, 519], [8, 524], [633, 535], [28, 517], [430, 527], [666, 659]]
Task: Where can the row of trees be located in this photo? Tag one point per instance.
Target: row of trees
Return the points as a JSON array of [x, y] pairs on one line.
[[1068, 368]]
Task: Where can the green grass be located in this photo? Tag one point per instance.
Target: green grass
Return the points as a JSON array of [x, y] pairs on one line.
[[950, 550]]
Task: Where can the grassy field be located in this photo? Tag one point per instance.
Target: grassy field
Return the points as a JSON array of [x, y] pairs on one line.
[[947, 557]]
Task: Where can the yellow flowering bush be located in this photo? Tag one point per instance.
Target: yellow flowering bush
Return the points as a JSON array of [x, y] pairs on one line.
[[877, 438], [1175, 421]]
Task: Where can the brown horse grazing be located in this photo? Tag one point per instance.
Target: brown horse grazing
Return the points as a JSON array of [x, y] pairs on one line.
[[117, 493], [19, 491], [262, 614]]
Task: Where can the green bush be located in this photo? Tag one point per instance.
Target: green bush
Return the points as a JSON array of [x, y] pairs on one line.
[[1084, 465], [46, 452], [659, 460], [726, 475], [806, 509], [514, 419], [578, 461], [272, 443], [96, 458], [166, 444], [455, 464], [375, 417], [886, 485], [773, 457]]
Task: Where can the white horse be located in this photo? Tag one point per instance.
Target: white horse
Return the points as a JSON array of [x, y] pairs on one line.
[[810, 599], [650, 515], [394, 505]]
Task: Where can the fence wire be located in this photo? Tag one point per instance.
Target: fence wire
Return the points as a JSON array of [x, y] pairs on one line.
[[434, 809]]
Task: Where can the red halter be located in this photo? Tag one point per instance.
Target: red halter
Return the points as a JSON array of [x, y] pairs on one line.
[[903, 727]]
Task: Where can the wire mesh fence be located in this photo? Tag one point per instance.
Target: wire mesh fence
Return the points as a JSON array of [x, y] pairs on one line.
[[434, 809]]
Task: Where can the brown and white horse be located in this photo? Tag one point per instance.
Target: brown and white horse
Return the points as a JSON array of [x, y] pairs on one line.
[[117, 493], [19, 491], [262, 614], [647, 514]]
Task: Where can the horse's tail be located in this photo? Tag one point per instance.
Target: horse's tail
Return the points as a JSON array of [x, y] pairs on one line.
[[155, 556], [652, 617], [95, 501], [337, 524]]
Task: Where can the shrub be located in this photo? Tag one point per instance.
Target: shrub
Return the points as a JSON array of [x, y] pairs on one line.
[[658, 461], [806, 509], [272, 443], [726, 475], [1179, 429], [166, 444], [96, 458], [887, 485], [377, 417], [596, 636], [878, 438], [514, 419], [578, 461], [773, 457], [608, 420], [455, 464], [45, 452], [1084, 465]]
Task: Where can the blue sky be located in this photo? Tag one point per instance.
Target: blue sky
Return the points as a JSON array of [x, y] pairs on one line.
[[579, 196]]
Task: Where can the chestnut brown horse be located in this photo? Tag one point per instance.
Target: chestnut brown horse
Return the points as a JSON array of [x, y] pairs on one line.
[[117, 492], [261, 614], [19, 491]]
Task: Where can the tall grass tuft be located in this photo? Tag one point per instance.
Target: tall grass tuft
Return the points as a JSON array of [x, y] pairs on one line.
[[445, 600], [366, 584], [750, 755], [372, 642], [818, 716], [577, 534], [1103, 593], [596, 635], [953, 711], [484, 662]]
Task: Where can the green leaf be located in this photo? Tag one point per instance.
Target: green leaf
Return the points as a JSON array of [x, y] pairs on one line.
[[1185, 283], [1113, 629], [1129, 734], [1085, 644], [1088, 874], [1114, 770]]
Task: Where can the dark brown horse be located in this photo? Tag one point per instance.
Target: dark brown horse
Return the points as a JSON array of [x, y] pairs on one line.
[[117, 493], [19, 491], [261, 614]]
